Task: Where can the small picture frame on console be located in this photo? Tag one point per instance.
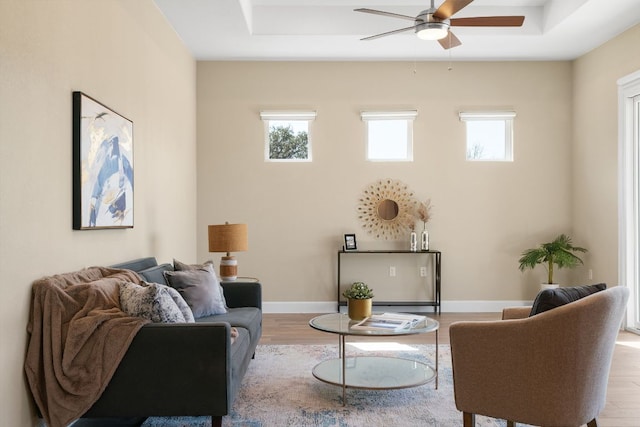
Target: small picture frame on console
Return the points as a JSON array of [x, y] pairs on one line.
[[350, 242]]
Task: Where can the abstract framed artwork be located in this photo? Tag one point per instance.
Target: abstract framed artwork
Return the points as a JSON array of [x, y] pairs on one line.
[[102, 166]]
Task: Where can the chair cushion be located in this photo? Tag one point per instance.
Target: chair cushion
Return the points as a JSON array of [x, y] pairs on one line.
[[552, 298]]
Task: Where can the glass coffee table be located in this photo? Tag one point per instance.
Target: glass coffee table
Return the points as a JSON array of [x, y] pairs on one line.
[[372, 372]]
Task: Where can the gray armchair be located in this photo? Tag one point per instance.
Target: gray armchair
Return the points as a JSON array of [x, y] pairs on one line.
[[550, 369]]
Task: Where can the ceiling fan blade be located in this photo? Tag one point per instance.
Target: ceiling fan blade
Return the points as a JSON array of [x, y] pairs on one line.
[[450, 8], [450, 41], [383, 13], [488, 21], [388, 33]]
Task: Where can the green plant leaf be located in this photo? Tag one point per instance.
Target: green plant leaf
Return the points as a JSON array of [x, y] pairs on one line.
[[559, 252]]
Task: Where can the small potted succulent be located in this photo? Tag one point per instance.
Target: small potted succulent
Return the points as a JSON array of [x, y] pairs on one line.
[[359, 298], [560, 252]]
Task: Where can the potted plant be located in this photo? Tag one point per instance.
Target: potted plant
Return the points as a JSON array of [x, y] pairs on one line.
[[559, 252], [359, 298]]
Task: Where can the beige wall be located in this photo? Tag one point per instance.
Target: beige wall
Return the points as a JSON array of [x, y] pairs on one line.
[[125, 55], [595, 127], [485, 214]]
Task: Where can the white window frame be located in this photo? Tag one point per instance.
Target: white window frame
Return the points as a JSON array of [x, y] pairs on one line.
[[628, 195], [291, 116], [406, 115], [504, 116]]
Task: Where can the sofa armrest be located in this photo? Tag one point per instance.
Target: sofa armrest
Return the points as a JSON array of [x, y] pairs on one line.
[[243, 294], [171, 369], [496, 364], [515, 312]]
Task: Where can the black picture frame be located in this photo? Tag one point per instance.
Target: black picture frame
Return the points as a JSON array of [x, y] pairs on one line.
[[350, 242], [102, 166]]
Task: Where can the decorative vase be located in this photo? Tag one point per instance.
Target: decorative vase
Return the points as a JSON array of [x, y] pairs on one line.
[[544, 286], [424, 240], [414, 241], [359, 308]]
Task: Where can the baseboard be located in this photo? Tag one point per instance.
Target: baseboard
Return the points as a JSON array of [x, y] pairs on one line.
[[481, 306], [447, 307], [299, 307]]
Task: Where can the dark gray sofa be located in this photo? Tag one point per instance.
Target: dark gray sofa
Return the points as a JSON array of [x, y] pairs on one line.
[[174, 369]]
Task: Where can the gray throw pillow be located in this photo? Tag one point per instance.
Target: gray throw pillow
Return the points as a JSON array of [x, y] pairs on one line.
[[200, 289], [155, 274], [552, 298], [182, 266], [151, 301]]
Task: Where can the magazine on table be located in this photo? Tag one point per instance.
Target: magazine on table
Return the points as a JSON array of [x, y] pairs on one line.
[[390, 322]]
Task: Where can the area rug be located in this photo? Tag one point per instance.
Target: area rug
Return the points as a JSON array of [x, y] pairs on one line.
[[279, 390]]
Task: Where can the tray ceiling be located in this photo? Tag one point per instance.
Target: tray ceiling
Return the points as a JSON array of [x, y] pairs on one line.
[[331, 30]]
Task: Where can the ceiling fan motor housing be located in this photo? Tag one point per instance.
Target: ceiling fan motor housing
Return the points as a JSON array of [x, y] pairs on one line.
[[435, 24], [429, 27]]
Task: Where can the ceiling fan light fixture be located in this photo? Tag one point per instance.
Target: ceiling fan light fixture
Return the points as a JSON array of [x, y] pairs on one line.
[[432, 30]]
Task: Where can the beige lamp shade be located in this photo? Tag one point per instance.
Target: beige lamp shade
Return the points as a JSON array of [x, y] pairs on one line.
[[228, 238]]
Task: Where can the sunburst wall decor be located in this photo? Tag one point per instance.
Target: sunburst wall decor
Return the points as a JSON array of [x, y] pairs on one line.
[[387, 209]]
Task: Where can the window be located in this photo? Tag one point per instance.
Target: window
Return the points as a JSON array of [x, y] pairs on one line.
[[389, 135], [629, 192], [287, 135], [489, 135]]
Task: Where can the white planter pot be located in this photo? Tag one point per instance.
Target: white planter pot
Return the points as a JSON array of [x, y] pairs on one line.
[[544, 286]]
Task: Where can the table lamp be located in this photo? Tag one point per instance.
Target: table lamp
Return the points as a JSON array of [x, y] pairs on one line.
[[228, 238]]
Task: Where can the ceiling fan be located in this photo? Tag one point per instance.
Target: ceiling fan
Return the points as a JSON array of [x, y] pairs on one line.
[[434, 24]]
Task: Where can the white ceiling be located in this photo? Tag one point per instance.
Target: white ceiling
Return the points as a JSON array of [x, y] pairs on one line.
[[331, 30]]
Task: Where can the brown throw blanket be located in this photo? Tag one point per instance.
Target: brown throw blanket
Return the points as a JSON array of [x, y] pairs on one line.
[[78, 336]]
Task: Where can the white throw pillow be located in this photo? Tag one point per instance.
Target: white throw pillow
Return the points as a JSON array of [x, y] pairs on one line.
[[152, 301], [180, 302]]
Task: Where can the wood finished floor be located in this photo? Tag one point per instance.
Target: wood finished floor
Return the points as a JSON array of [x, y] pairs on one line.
[[623, 392]]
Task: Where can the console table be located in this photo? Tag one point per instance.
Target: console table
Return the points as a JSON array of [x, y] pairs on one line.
[[437, 260]]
